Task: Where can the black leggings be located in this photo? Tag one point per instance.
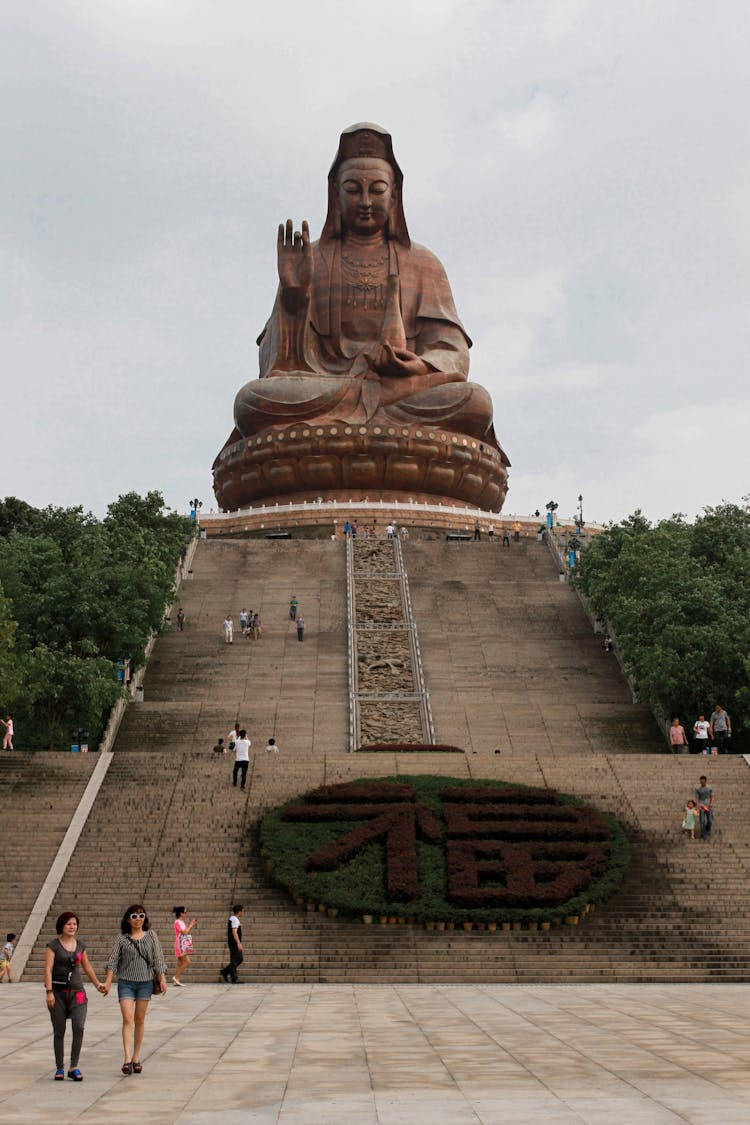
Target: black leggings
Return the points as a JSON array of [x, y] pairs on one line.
[[67, 1009]]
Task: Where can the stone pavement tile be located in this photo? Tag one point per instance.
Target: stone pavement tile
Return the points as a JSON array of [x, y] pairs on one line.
[[611, 1111], [421, 1107], [528, 1110]]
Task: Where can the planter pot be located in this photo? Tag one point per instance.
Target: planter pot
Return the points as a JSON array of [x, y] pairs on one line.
[[332, 911], [515, 925], [492, 926], [505, 927], [546, 926], [367, 919], [401, 921], [429, 925], [440, 926], [322, 907], [572, 920], [392, 921], [468, 926], [533, 926], [383, 919], [311, 906], [450, 925]]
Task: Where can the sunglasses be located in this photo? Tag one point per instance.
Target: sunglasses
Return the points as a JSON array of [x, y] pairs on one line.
[[135, 917]]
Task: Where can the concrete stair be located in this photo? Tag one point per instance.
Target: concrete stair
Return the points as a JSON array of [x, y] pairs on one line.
[[510, 663]]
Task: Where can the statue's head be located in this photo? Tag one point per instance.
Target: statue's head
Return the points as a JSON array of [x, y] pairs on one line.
[[364, 186]]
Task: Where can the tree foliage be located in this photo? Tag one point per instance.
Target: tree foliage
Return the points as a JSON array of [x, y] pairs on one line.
[[678, 597], [80, 594]]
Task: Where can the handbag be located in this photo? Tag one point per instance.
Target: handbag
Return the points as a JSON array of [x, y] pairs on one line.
[[155, 975]]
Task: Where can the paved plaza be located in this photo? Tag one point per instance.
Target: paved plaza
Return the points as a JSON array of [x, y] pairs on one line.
[[393, 1055]]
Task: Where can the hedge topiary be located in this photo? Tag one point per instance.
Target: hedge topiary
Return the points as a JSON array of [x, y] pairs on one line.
[[446, 850]]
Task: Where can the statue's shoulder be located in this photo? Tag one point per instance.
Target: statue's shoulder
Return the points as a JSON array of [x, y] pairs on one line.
[[422, 256]]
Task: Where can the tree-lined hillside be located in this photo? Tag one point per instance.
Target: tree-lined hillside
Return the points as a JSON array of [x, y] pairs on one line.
[[77, 595], [678, 597]]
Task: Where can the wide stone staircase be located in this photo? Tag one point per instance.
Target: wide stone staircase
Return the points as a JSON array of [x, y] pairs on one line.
[[511, 664]]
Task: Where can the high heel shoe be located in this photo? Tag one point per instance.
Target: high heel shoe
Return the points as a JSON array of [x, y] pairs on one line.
[[177, 982], [127, 1068], [137, 1067]]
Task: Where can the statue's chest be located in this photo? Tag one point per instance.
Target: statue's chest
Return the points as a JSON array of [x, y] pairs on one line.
[[363, 283]]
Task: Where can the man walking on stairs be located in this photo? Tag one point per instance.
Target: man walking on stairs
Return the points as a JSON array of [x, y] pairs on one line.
[[241, 759], [234, 941]]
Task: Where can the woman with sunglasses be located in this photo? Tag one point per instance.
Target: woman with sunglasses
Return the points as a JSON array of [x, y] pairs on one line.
[[136, 956], [64, 958]]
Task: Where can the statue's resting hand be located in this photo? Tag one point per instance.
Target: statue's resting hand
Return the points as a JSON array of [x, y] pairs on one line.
[[295, 258], [398, 362]]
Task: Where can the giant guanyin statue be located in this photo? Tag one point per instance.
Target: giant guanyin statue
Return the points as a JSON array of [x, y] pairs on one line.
[[364, 341]]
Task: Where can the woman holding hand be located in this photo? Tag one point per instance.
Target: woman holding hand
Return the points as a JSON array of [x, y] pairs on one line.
[[64, 958], [136, 956]]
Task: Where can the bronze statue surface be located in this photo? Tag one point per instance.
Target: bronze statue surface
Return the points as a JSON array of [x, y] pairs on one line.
[[364, 335]]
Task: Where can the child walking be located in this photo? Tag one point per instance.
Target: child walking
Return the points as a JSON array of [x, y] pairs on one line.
[[5, 957], [691, 815]]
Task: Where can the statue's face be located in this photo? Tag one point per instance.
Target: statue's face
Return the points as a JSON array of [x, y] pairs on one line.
[[366, 193]]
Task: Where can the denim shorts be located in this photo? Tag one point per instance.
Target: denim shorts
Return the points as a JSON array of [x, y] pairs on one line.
[[135, 989]]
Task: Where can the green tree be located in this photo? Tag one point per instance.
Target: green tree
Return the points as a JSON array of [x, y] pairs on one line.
[[678, 597]]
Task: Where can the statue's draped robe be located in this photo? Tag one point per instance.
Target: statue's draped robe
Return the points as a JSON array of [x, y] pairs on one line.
[[310, 372]]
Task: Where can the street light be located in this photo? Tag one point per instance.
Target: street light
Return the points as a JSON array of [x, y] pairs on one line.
[[580, 521], [195, 507]]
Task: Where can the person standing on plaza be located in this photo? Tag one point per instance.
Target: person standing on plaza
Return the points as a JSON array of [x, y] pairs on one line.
[[491, 532], [180, 619], [704, 795], [701, 729], [293, 603], [64, 958], [244, 618], [8, 737], [136, 956], [234, 941], [233, 735], [241, 759], [6, 957], [300, 628], [477, 530], [183, 943], [506, 537], [720, 727], [257, 627], [677, 737], [228, 629]]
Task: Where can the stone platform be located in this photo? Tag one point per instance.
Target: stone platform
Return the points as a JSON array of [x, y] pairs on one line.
[[393, 1055]]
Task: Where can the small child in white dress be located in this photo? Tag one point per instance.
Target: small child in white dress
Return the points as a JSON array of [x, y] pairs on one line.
[[691, 815]]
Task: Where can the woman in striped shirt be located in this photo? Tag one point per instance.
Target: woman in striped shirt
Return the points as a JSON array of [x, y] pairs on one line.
[[135, 956]]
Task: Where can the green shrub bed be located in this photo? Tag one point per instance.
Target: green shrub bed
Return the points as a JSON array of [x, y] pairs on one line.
[[447, 851]]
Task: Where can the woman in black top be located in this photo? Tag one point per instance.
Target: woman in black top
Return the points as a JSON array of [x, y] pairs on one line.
[[66, 999], [136, 956]]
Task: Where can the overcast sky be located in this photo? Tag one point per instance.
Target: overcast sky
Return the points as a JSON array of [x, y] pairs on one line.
[[581, 168]]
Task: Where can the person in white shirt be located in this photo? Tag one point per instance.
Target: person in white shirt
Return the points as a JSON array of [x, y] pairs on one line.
[[700, 734], [271, 747], [241, 759], [228, 628]]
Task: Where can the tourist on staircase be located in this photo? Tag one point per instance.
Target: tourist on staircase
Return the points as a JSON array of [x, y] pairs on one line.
[[241, 759], [704, 795], [137, 958], [183, 942], [64, 958]]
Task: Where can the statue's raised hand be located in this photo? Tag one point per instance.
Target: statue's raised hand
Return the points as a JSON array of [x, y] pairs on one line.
[[295, 263]]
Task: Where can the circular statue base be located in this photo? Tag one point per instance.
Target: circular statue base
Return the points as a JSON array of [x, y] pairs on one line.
[[363, 462]]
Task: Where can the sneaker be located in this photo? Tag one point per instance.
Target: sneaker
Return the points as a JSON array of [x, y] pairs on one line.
[[60, 1074], [177, 983]]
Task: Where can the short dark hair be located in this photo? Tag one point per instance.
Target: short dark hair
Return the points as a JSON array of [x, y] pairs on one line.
[[237, 907], [703, 777], [178, 910], [243, 732], [63, 920], [135, 907], [10, 937]]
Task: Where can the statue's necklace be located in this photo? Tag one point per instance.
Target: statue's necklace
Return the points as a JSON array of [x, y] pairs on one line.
[[364, 281]]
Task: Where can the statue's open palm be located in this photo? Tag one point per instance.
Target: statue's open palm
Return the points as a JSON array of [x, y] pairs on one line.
[[295, 256]]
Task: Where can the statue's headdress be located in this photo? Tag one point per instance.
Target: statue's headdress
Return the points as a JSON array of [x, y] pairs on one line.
[[365, 140]]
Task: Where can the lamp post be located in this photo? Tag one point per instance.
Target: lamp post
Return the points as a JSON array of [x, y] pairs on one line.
[[579, 519], [551, 507], [195, 507]]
